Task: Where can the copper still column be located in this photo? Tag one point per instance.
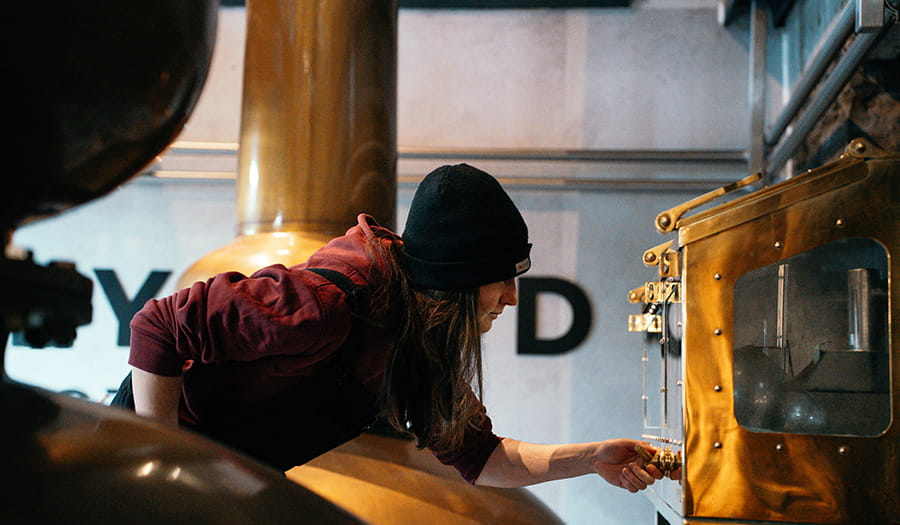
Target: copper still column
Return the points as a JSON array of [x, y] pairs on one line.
[[318, 130]]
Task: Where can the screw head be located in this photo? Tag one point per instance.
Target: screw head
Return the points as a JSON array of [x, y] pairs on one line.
[[717, 331], [717, 276], [839, 223], [778, 244]]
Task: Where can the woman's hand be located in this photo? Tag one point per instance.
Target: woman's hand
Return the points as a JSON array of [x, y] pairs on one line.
[[618, 462]]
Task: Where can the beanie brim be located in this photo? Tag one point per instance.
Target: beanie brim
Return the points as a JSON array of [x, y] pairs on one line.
[[459, 275]]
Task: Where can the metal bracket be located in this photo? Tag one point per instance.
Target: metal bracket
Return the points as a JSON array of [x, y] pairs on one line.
[[651, 323], [656, 292], [869, 16], [863, 149], [659, 292]]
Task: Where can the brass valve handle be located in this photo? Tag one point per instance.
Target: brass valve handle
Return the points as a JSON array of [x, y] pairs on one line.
[[665, 460], [667, 220]]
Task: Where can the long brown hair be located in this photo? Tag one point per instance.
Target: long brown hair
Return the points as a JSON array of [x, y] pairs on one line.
[[433, 381]]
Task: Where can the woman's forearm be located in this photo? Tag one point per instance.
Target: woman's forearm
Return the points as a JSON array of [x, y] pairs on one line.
[[155, 396], [517, 464]]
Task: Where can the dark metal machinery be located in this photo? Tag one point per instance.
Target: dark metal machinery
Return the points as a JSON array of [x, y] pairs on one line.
[[98, 90]]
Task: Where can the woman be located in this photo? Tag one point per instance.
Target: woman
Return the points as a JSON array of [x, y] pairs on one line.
[[291, 362]]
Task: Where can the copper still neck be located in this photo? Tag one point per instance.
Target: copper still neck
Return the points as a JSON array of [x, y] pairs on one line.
[[318, 130]]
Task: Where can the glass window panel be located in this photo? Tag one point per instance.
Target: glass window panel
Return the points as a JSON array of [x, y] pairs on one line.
[[811, 349]]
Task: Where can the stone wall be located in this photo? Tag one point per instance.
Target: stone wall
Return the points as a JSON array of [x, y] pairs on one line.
[[868, 107]]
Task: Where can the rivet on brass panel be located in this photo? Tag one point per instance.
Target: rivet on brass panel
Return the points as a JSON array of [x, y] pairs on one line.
[[717, 331], [779, 447], [717, 444], [717, 276], [843, 450], [778, 244], [717, 388], [839, 223]]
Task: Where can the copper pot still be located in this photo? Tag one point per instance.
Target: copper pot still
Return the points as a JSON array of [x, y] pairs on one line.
[[318, 130]]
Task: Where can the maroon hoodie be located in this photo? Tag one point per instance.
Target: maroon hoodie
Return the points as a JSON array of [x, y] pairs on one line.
[[241, 340]]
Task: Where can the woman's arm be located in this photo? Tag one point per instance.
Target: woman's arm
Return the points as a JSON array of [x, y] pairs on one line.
[[156, 396], [516, 464]]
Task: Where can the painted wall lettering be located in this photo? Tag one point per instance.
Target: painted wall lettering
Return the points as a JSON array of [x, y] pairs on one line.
[[529, 289], [121, 305]]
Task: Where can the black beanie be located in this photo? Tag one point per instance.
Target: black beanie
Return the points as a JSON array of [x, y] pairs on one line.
[[463, 231]]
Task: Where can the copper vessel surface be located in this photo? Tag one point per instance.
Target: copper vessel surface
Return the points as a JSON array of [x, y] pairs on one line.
[[318, 130], [774, 362], [73, 461], [386, 480]]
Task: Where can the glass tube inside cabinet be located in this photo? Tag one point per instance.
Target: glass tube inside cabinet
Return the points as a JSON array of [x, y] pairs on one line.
[[811, 351]]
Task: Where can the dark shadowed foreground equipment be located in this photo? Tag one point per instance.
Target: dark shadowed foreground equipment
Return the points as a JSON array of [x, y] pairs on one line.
[[98, 90]]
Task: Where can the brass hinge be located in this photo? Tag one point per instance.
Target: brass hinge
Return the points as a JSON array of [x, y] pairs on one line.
[[665, 258]]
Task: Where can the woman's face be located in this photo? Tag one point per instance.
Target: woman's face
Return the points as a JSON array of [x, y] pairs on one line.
[[492, 298]]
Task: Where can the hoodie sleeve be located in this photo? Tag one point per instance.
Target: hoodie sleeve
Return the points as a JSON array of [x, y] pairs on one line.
[[478, 445], [276, 312]]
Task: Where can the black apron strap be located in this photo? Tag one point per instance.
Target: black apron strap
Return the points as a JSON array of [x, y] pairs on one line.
[[319, 413], [343, 282]]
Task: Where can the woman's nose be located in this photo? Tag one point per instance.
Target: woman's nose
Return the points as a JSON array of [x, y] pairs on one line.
[[510, 292]]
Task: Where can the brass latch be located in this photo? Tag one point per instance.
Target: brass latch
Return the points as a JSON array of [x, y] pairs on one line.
[[656, 292], [665, 460], [668, 220], [653, 294], [662, 292]]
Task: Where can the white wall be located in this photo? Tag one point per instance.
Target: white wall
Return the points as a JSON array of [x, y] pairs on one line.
[[640, 78]]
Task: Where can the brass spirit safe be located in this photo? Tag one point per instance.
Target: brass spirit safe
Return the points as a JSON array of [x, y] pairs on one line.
[[771, 349]]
